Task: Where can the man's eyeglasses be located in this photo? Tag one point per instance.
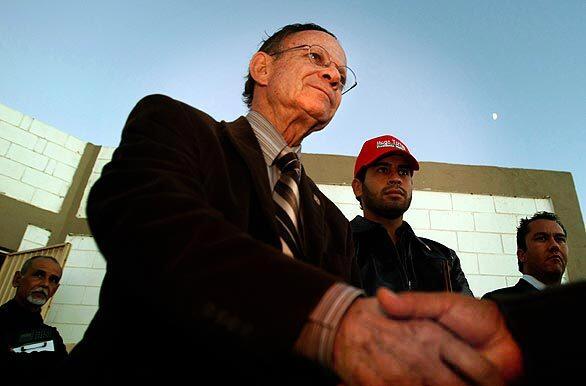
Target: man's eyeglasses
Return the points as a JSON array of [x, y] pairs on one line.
[[320, 57]]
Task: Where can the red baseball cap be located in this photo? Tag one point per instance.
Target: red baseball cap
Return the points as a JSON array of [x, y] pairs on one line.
[[385, 145]]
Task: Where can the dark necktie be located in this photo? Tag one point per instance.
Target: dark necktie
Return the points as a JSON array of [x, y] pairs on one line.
[[286, 198]]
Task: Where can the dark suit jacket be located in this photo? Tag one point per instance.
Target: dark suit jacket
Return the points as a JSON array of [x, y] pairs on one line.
[[522, 287], [196, 284], [550, 328]]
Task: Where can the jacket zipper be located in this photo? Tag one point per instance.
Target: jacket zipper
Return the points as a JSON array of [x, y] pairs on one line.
[[402, 264]]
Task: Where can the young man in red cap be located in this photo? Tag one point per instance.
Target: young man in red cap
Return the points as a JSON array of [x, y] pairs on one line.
[[388, 252]]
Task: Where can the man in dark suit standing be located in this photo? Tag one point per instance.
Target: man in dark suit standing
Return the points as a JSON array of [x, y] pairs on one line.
[[535, 338], [226, 263], [542, 254]]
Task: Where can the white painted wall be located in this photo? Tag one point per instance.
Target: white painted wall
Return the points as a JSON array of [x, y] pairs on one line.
[[76, 300], [37, 161], [481, 229], [37, 164], [34, 237], [104, 156]]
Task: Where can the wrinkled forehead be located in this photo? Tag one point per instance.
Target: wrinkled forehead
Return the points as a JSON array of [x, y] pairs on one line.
[[323, 39], [46, 265]]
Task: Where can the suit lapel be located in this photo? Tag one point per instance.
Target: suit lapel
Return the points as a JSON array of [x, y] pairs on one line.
[[525, 286], [242, 137], [313, 215]]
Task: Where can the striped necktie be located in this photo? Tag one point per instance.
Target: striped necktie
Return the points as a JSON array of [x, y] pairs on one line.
[[286, 198]]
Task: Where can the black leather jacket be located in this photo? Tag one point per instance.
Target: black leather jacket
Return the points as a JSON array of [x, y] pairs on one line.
[[414, 264]]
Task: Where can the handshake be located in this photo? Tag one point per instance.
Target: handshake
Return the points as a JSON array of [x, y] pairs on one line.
[[449, 339]]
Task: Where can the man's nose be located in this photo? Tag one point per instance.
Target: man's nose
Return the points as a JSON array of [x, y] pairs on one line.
[[394, 177], [332, 75], [554, 245]]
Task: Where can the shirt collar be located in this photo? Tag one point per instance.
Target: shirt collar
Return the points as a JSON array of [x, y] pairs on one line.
[[534, 282], [270, 140]]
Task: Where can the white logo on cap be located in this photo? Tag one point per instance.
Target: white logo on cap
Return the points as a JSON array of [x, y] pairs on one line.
[[390, 143]]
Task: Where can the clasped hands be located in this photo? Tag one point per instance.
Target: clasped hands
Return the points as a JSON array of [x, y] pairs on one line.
[[425, 339]]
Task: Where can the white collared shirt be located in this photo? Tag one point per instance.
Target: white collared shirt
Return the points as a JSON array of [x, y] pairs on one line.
[[271, 144], [534, 282]]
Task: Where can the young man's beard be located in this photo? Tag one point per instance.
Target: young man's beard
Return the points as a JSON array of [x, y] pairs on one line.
[[388, 210]]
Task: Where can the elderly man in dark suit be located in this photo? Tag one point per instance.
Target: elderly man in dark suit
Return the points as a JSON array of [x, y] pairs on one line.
[[225, 261], [542, 254]]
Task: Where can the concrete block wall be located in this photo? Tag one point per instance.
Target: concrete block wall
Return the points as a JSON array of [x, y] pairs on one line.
[[76, 300], [34, 237], [37, 161], [104, 156], [37, 164], [480, 228]]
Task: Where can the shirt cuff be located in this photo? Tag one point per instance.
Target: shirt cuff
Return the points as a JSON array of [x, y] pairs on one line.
[[316, 341]]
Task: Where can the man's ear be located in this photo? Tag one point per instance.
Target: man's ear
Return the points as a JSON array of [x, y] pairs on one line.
[[357, 187], [16, 279], [259, 67], [522, 255]]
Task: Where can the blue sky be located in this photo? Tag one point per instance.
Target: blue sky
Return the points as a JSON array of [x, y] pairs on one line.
[[430, 72]]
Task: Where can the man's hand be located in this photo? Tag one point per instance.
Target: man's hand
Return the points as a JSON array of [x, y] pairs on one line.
[[371, 349], [478, 322]]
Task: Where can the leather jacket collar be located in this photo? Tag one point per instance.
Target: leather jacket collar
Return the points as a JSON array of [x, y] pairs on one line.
[[363, 225]]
